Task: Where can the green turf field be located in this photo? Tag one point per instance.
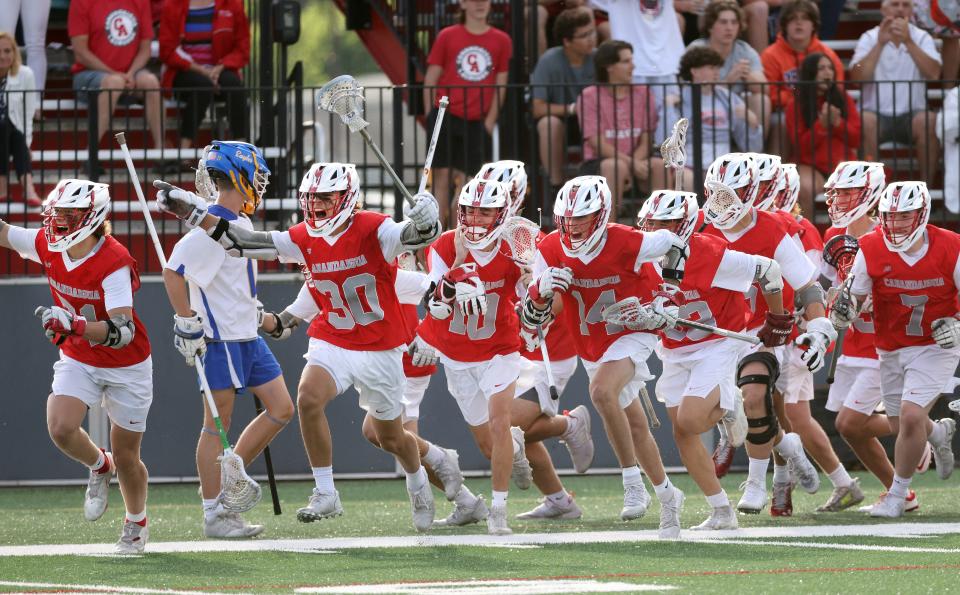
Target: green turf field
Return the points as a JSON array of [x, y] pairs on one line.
[[848, 553]]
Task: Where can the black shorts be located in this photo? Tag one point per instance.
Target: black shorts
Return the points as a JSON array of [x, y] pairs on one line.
[[462, 144]]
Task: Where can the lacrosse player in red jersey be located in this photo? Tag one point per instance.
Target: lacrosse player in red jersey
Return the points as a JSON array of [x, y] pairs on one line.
[[535, 411], [729, 209], [350, 254], [104, 350], [911, 269], [590, 264], [697, 383]]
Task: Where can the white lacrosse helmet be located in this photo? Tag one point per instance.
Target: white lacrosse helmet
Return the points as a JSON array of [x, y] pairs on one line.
[[578, 199], [736, 173], [478, 229], [338, 182], [514, 175], [852, 190], [670, 205], [791, 188], [904, 212], [771, 180], [72, 211]]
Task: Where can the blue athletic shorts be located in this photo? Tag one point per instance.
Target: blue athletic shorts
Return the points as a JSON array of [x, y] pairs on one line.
[[240, 364]]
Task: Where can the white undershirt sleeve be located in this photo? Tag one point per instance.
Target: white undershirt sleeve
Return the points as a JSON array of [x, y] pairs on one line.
[[410, 286], [304, 307], [862, 283], [287, 251], [438, 268], [797, 269], [24, 240], [117, 290], [736, 272], [956, 274], [816, 257], [389, 234], [539, 265], [655, 244]]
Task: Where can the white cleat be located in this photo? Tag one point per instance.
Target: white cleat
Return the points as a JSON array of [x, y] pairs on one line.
[[911, 504], [449, 474], [229, 525], [551, 510], [133, 538], [720, 519], [578, 439], [799, 465], [522, 473], [497, 521], [754, 498], [322, 505], [421, 501], [670, 515], [735, 422], [465, 515], [889, 507], [943, 455], [843, 497], [98, 490], [636, 500]]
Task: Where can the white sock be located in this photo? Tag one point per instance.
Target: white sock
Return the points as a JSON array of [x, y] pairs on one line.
[[780, 473], [840, 478], [571, 424], [417, 479], [211, 507], [664, 490], [631, 476], [102, 458], [323, 476], [560, 497], [789, 446], [938, 435], [465, 497], [434, 456], [499, 498], [758, 470], [718, 500], [900, 488], [140, 517]]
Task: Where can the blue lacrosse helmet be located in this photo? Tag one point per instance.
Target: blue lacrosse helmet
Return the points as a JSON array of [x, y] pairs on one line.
[[244, 165]]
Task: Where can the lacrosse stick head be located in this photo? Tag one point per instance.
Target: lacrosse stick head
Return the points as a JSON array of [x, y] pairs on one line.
[[730, 189], [904, 212], [852, 190], [626, 313], [512, 173], [73, 210], [839, 252], [238, 491], [670, 209], [481, 212], [520, 235], [343, 96], [206, 188], [673, 149]]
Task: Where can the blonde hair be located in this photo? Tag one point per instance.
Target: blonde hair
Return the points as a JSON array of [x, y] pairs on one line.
[[17, 59]]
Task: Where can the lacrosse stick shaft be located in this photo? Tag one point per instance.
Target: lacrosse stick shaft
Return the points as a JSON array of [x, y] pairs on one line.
[[837, 351], [428, 163], [554, 393], [268, 460], [208, 396], [648, 408], [719, 331], [386, 165]]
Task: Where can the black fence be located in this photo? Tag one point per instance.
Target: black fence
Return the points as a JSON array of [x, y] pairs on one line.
[[607, 129]]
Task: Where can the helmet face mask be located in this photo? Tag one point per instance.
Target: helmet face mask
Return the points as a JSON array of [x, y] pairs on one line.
[[242, 164], [73, 211], [511, 173], [581, 211], [852, 190], [904, 213], [673, 210], [329, 195], [788, 196], [481, 210]]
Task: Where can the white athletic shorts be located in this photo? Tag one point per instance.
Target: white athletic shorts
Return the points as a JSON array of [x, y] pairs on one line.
[[472, 384], [534, 375], [413, 393], [636, 346], [377, 375], [796, 380], [856, 385], [916, 374], [695, 373], [125, 393]]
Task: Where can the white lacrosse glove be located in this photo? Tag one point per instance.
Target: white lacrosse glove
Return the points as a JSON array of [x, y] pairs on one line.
[[188, 336], [422, 353], [425, 213], [552, 280], [58, 324], [946, 332], [463, 285], [471, 297], [260, 314], [844, 310], [529, 338], [180, 203], [820, 334], [666, 305], [284, 325]]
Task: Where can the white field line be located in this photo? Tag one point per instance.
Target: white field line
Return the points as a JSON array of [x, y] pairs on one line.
[[860, 547], [439, 540], [62, 588], [531, 587]]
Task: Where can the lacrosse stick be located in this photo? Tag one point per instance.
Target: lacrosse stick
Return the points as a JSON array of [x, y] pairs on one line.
[[626, 313], [954, 406], [673, 151], [647, 404], [268, 461], [520, 235], [343, 96], [839, 253], [238, 492], [444, 102]]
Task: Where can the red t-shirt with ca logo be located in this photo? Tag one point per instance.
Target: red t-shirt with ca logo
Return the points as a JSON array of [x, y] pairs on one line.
[[469, 59], [114, 29]]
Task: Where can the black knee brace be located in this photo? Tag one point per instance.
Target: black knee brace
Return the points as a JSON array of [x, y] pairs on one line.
[[769, 421]]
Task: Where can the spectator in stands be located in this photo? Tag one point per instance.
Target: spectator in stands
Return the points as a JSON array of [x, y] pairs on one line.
[[727, 122], [895, 50], [111, 45], [17, 107], [33, 16], [822, 124], [757, 16], [561, 73], [941, 27], [203, 45], [799, 22], [723, 23], [472, 57], [617, 120], [948, 129]]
